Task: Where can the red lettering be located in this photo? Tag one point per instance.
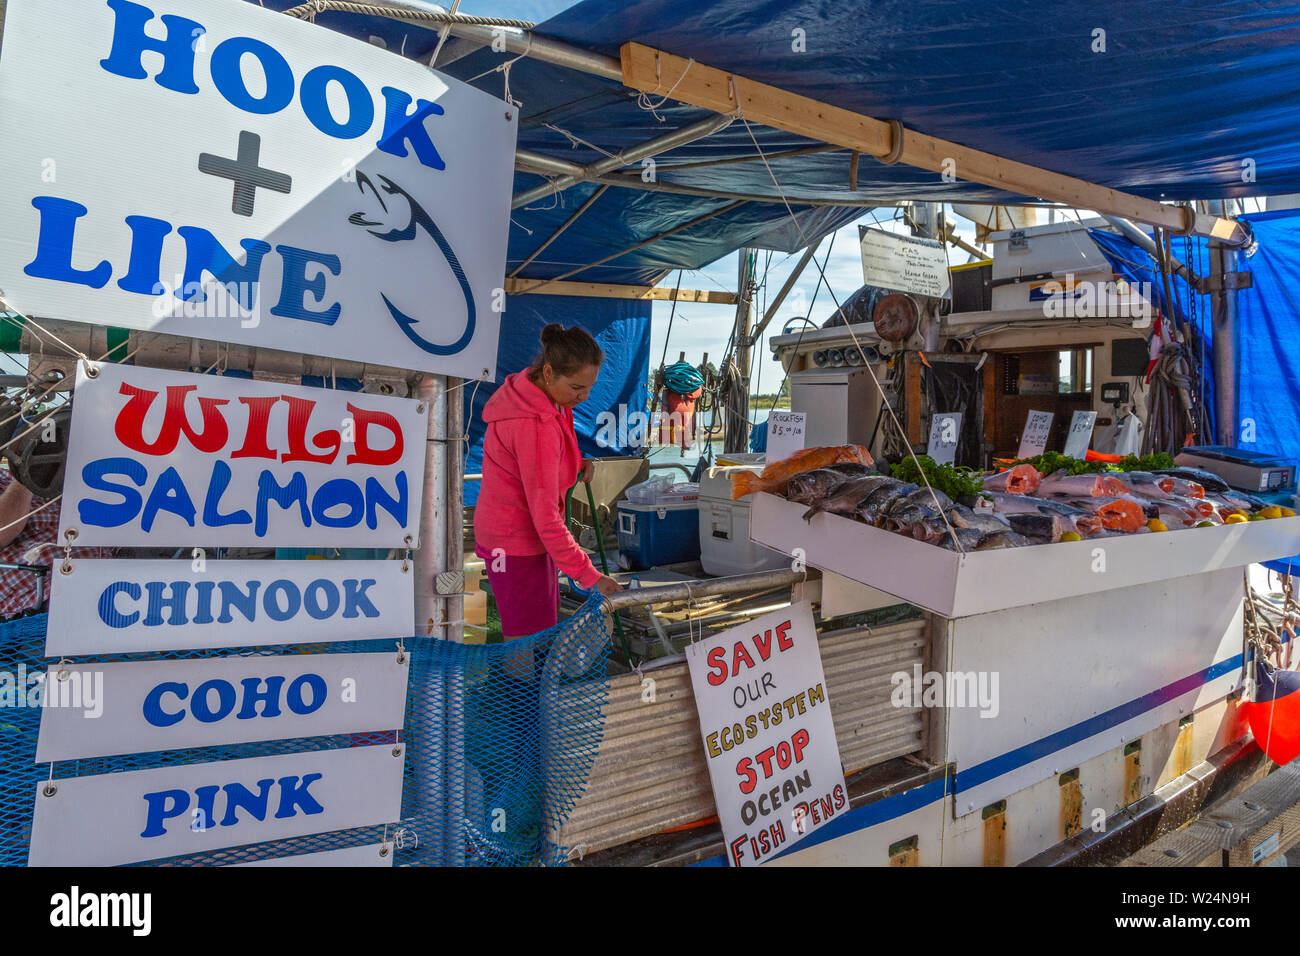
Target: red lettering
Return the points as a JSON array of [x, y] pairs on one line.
[[129, 426], [782, 641], [764, 646], [716, 663], [765, 758], [300, 410], [839, 796], [763, 845], [828, 811], [259, 416], [365, 454], [736, 846], [749, 779], [800, 741], [738, 654], [783, 755], [778, 832]]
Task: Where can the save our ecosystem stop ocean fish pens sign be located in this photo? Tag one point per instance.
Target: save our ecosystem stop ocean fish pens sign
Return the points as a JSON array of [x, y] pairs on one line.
[[769, 740], [221, 171], [158, 458]]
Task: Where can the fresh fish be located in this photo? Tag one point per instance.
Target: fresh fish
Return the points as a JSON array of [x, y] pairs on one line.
[[1146, 483], [812, 485], [870, 508], [1116, 514], [1040, 528], [967, 539], [1235, 500], [1082, 521], [1002, 539], [1206, 479], [924, 496], [1195, 506], [845, 497], [986, 522], [1098, 486], [902, 516], [775, 476], [1020, 480], [851, 469], [1174, 515]]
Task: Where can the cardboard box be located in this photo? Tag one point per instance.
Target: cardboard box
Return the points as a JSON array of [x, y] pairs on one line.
[[958, 585]]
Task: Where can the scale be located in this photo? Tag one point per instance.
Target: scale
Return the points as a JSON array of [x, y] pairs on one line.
[[1244, 470]]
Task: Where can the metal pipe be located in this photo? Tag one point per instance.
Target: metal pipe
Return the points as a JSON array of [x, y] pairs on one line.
[[691, 590], [431, 557], [625, 157], [785, 290], [1223, 313], [1139, 238], [563, 226], [670, 464]]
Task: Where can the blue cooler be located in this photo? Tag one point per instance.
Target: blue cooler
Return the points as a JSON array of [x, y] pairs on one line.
[[655, 534]]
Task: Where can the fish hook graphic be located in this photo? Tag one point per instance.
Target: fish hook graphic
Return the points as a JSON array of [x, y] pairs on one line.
[[419, 219]]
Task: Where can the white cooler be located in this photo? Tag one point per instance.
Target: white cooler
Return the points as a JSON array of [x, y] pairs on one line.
[[725, 547]]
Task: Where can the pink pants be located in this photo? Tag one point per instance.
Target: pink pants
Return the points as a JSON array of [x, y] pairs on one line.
[[526, 589]]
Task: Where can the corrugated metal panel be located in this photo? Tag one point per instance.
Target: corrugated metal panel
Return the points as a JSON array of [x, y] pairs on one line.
[[649, 774]]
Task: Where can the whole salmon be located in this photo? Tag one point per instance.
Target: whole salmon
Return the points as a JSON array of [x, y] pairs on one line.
[[1098, 486], [1020, 480], [775, 476]]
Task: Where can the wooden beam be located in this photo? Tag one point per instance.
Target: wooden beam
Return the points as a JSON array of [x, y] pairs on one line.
[[655, 72], [599, 290]]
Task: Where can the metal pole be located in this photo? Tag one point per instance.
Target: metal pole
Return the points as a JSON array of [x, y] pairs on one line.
[[693, 590], [626, 157], [454, 561], [1223, 313], [1139, 238], [737, 421], [563, 226]]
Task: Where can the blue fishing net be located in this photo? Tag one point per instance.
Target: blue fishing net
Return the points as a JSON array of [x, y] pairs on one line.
[[499, 740]]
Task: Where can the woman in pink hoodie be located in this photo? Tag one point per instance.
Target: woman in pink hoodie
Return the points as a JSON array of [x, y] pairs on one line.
[[530, 459]]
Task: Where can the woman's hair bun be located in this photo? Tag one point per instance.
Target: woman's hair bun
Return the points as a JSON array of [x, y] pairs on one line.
[[552, 333]]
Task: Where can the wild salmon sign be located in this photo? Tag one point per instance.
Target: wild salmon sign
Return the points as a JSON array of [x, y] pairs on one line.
[[169, 459], [768, 736], [217, 170]]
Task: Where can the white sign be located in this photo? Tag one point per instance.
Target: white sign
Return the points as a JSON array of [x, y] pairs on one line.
[[109, 607], [903, 263], [221, 171], [768, 736], [159, 458], [945, 431], [785, 434], [373, 854], [143, 706], [1038, 428], [140, 815], [1080, 435]]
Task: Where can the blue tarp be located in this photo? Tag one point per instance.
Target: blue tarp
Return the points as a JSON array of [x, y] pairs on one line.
[[622, 329]]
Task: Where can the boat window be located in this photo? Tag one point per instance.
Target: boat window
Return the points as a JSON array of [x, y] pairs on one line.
[[1074, 371]]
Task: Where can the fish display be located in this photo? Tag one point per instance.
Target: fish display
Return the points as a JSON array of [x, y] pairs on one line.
[[777, 475], [1019, 507], [1020, 480]]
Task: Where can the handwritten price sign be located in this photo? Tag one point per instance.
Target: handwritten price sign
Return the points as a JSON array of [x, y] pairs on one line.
[[1080, 436], [785, 434], [1034, 438], [945, 429]]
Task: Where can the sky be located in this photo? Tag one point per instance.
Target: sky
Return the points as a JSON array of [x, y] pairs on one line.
[[700, 328]]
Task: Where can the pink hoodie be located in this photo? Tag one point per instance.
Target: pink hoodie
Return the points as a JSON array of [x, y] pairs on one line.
[[530, 459]]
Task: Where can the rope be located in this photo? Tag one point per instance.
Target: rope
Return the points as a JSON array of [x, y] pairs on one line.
[[849, 328], [309, 11]]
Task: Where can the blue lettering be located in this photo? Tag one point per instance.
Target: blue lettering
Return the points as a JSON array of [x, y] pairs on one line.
[[268, 489], [168, 495], [356, 599], [203, 613], [152, 709], [321, 599], [199, 705], [335, 492], [361, 107], [227, 59], [294, 285], [159, 810], [294, 793], [232, 596], [54, 245], [175, 603], [130, 41], [147, 235], [238, 796], [212, 516], [399, 128], [204, 813], [104, 515], [108, 612], [318, 692], [376, 498], [292, 600], [270, 697], [204, 254]]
